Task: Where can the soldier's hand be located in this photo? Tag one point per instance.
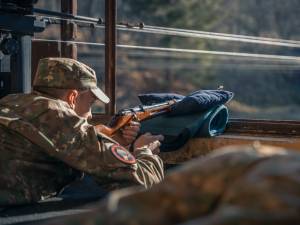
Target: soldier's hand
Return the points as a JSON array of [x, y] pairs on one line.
[[130, 132], [150, 141]]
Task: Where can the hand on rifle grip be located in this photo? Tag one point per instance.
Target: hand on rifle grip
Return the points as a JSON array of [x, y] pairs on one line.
[[131, 131]]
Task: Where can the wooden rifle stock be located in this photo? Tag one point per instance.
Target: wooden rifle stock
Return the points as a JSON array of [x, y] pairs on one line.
[[139, 113]]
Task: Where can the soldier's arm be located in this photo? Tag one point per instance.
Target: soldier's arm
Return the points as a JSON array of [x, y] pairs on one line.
[[110, 163], [79, 145], [150, 167], [141, 167]]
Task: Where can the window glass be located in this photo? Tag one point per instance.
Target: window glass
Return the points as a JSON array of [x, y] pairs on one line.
[[264, 73], [93, 53], [91, 8], [89, 39]]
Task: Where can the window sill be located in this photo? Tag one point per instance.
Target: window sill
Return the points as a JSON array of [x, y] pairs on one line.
[[264, 127], [198, 147]]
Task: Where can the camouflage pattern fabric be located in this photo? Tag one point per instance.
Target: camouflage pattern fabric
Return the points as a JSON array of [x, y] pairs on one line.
[[237, 185], [44, 145], [64, 73]]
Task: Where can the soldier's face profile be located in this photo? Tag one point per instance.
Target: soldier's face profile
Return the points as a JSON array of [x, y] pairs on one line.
[[83, 104]]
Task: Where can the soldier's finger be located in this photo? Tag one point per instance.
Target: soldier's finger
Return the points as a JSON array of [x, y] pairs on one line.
[[129, 138], [152, 138], [159, 137], [154, 145], [135, 128], [135, 124], [129, 133]]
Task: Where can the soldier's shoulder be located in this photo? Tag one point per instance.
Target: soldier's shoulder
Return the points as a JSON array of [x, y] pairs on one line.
[[34, 103], [23, 98], [12, 98]]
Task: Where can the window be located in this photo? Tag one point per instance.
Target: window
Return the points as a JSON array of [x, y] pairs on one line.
[[264, 73], [250, 47]]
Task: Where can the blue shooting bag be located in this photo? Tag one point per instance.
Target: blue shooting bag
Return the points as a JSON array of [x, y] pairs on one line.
[[199, 114]]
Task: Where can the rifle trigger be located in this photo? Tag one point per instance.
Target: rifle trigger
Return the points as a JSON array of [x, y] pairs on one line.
[[142, 108], [135, 117]]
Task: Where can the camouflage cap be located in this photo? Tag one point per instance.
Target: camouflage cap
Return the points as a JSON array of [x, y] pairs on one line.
[[66, 73]]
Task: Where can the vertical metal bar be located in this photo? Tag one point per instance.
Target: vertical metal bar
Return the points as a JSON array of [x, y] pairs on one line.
[[68, 29], [21, 66], [110, 54]]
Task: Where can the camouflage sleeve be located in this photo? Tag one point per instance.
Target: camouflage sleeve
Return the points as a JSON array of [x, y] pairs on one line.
[[111, 164], [142, 167], [150, 167], [78, 144]]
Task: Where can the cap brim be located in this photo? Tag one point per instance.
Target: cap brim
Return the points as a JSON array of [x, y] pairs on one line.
[[100, 95]]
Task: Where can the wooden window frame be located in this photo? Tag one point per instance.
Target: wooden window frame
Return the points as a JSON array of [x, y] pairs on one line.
[[264, 127]]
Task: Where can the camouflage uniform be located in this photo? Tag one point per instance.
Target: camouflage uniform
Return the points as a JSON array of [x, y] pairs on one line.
[[44, 144], [237, 185]]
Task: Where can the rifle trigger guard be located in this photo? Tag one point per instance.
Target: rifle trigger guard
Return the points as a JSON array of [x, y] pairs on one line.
[[134, 116]]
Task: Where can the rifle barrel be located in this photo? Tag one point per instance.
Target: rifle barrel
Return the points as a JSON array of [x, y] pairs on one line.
[[143, 108]]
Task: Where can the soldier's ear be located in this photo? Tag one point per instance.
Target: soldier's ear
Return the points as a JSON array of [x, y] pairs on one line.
[[71, 98]]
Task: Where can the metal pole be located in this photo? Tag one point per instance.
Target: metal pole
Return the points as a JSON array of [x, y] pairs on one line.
[[110, 54], [68, 29]]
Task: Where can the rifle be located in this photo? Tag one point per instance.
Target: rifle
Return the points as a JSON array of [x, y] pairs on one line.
[[139, 113]]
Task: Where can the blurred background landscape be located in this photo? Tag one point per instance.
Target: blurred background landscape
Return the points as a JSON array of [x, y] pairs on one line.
[[266, 88]]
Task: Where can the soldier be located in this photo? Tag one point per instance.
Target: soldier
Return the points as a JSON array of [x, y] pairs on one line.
[[46, 141]]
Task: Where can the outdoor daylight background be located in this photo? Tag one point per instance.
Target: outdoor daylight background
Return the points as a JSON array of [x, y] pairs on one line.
[[264, 89]]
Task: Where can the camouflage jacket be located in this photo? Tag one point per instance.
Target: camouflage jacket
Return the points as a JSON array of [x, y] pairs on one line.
[[44, 146]]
